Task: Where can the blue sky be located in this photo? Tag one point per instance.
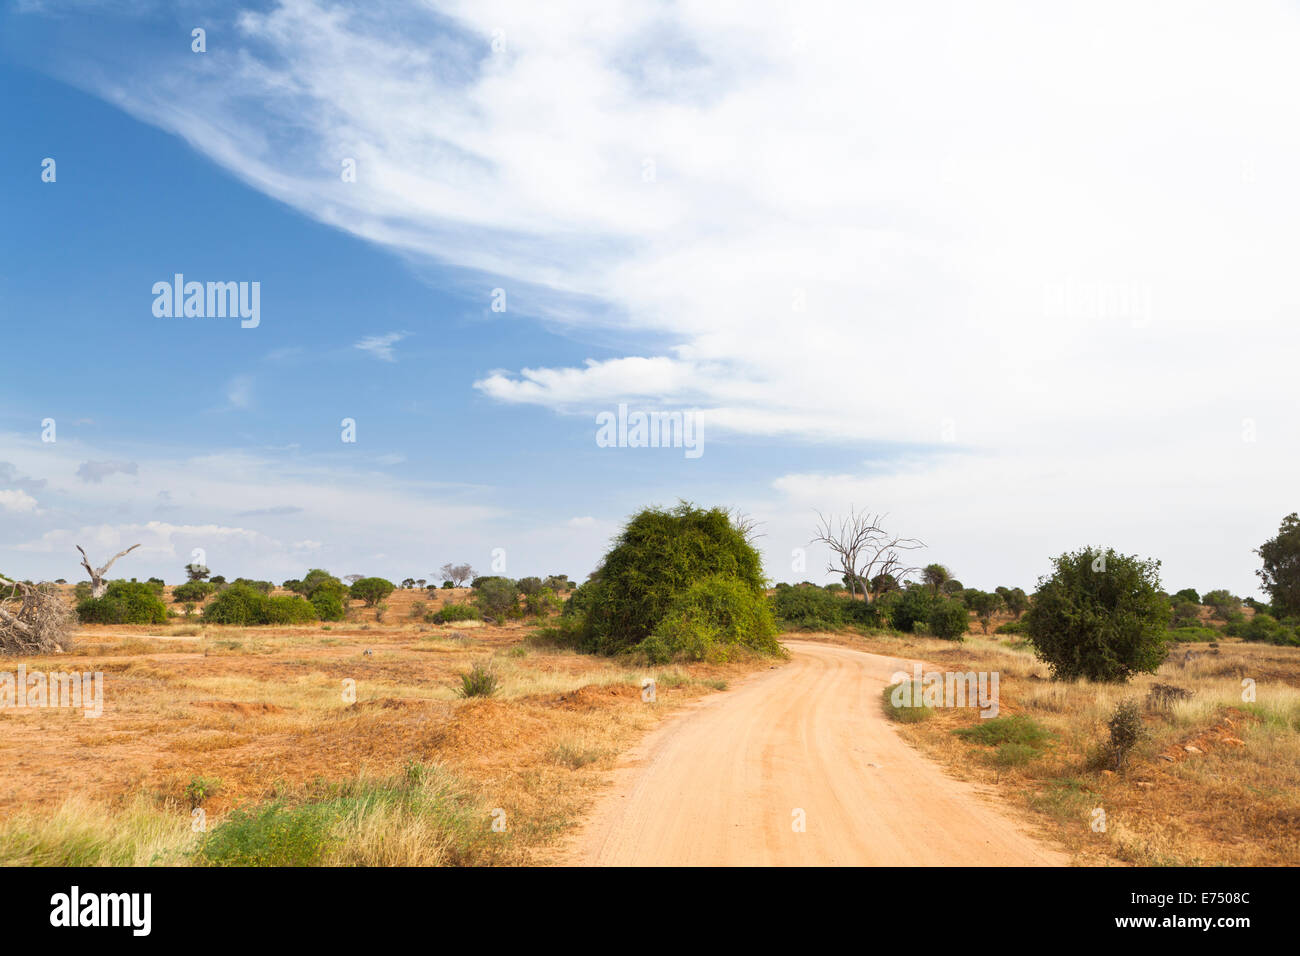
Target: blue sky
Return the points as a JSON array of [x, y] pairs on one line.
[[889, 276]]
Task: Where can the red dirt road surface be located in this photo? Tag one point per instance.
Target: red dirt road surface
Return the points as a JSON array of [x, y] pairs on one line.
[[723, 784]]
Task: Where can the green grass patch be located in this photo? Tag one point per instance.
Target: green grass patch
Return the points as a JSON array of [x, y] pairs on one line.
[[996, 731], [905, 713]]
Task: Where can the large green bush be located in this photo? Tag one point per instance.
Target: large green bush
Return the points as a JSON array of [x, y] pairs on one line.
[[372, 590], [948, 619], [125, 602], [329, 605], [243, 605], [907, 608], [1099, 615], [659, 555], [195, 591], [710, 619], [809, 609], [497, 598]]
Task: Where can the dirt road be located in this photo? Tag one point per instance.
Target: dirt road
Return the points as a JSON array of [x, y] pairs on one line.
[[725, 783]]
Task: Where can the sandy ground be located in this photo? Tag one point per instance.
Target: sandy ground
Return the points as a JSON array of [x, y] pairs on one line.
[[727, 782]]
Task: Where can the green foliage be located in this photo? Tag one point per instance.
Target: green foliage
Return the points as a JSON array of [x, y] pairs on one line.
[[1105, 624], [985, 604], [318, 579], [1186, 614], [809, 609], [266, 587], [948, 619], [711, 618], [200, 788], [372, 590], [660, 554], [1012, 627], [1020, 729], [1187, 594], [1265, 629], [125, 602], [329, 606], [1126, 730], [908, 608], [1280, 575], [1015, 599], [478, 681], [912, 710], [196, 591], [935, 576], [246, 606], [497, 598], [1193, 634], [288, 609], [529, 586], [274, 835], [541, 602], [952, 587], [456, 612], [1225, 603]]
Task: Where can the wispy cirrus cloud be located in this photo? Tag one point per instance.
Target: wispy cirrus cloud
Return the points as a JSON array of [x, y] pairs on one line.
[[381, 346]]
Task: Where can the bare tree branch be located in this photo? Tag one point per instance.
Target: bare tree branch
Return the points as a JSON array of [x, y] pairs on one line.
[[864, 552], [98, 586]]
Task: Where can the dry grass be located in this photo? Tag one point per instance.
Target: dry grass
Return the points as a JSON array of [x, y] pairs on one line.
[[1234, 799], [269, 713]]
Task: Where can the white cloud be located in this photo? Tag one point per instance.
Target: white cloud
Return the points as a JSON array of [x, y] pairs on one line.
[[1063, 235], [239, 392], [17, 501], [381, 346]]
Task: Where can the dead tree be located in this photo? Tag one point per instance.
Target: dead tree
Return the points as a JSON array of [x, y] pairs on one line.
[[34, 619], [97, 583], [863, 551]]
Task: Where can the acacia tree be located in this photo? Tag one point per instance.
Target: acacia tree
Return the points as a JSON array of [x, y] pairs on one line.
[[864, 552], [457, 574], [935, 576], [1280, 574]]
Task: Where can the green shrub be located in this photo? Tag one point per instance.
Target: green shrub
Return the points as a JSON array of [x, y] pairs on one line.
[[1193, 634], [125, 602], [479, 681], [274, 835], [1105, 624], [497, 598], [1011, 627], [541, 602], [948, 619], [456, 612], [911, 712], [529, 586], [237, 604], [329, 606], [908, 607], [1126, 730], [1187, 594], [1019, 729], [242, 605], [196, 591], [659, 555], [809, 609], [985, 604], [1265, 629], [266, 587], [288, 609], [372, 590], [709, 619]]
